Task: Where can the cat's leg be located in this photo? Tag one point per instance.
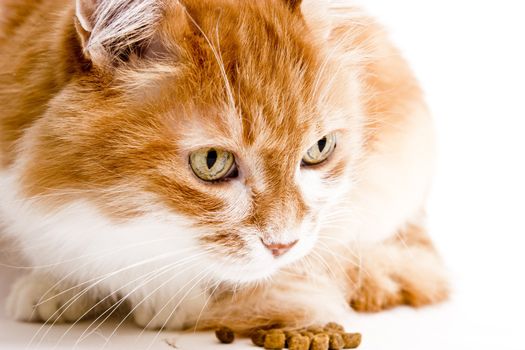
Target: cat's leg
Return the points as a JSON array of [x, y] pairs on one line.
[[405, 270], [38, 298], [293, 298], [174, 311]]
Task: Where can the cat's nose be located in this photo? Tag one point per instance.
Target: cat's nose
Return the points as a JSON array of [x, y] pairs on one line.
[[278, 249]]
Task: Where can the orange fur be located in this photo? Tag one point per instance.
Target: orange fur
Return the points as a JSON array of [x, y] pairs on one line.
[[245, 75]]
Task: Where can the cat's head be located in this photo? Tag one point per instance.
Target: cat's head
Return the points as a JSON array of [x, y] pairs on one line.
[[233, 121]]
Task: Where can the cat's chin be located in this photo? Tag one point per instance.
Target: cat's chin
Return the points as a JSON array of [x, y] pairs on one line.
[[249, 272], [247, 276]]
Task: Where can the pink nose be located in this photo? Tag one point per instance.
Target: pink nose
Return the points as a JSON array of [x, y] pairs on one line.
[[279, 249]]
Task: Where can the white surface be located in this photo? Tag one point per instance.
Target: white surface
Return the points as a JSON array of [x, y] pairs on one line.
[[470, 57]]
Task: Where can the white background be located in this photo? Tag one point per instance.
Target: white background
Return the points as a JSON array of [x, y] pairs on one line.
[[469, 57]]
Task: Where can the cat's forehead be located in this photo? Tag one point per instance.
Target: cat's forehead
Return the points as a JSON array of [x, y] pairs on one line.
[[250, 72], [230, 129]]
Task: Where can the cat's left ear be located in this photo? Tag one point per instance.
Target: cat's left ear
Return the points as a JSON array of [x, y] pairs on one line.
[[112, 30]]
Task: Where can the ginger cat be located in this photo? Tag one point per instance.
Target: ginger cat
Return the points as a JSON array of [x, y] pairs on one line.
[[212, 161]]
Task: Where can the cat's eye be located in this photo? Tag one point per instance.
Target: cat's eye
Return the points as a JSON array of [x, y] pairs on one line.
[[210, 164], [320, 152]]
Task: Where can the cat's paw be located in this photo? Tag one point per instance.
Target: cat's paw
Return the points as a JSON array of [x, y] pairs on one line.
[[410, 282], [35, 298], [377, 292], [173, 314], [146, 316]]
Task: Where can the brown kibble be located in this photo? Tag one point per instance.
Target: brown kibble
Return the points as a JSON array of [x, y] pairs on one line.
[[329, 337], [320, 342], [336, 341], [315, 329], [351, 340], [225, 335], [274, 341], [258, 337], [289, 335], [334, 327], [299, 342], [307, 334]]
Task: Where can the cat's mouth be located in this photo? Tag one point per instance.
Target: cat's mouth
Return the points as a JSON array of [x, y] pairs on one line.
[[264, 260]]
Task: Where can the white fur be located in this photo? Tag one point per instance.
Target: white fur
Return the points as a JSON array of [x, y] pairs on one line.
[[392, 184], [36, 298], [79, 243], [118, 260]]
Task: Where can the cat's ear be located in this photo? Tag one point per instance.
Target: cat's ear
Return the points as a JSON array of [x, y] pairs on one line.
[[111, 30], [295, 5]]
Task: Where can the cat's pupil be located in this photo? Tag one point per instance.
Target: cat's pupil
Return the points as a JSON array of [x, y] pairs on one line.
[[321, 144], [211, 158]]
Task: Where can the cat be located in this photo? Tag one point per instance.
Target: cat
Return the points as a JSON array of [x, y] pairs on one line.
[[206, 162]]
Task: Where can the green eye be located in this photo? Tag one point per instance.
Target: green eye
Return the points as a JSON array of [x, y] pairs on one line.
[[210, 164], [320, 151]]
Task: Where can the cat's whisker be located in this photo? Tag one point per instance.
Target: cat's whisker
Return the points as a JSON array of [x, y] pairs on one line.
[[316, 255], [103, 277], [347, 247], [43, 298], [152, 276], [227, 83], [80, 257], [163, 284], [81, 293], [210, 296], [345, 271], [60, 311], [218, 58], [204, 274], [136, 306], [342, 244]]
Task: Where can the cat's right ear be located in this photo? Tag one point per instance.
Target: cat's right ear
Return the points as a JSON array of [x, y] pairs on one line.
[[295, 5], [111, 30]]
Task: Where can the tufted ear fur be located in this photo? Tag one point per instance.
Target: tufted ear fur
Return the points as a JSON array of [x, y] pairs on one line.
[[112, 30], [295, 5]]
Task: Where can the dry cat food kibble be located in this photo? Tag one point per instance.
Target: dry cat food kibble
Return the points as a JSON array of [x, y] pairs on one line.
[[330, 337], [298, 342], [315, 329], [258, 337], [307, 334], [332, 326], [351, 340], [225, 335], [274, 340], [336, 341], [320, 341]]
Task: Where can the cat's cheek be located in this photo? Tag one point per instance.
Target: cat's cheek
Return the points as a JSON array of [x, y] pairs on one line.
[[319, 193], [305, 245]]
